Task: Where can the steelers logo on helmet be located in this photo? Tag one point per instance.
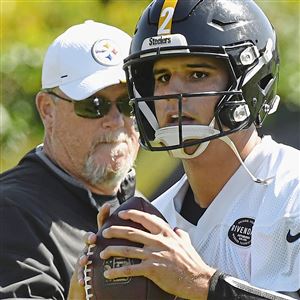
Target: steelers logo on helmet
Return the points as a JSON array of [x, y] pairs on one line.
[[106, 52]]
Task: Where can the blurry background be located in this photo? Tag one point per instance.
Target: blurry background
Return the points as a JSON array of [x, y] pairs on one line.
[[28, 27]]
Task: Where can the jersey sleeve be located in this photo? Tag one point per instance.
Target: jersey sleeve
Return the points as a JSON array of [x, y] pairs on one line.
[[28, 269]]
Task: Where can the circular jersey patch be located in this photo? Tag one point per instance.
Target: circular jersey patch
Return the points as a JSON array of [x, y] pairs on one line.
[[106, 52], [240, 231]]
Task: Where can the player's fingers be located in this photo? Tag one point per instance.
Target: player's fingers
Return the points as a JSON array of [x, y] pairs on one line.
[[123, 251], [83, 260], [182, 234], [103, 214], [131, 234], [80, 276], [89, 238], [129, 270], [78, 270], [152, 223]]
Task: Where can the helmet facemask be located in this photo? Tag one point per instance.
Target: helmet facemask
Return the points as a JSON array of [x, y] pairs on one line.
[[180, 135]]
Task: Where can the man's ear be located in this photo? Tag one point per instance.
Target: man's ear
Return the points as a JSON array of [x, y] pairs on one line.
[[46, 108]]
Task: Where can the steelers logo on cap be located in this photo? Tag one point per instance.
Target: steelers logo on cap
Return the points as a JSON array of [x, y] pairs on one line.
[[106, 52]]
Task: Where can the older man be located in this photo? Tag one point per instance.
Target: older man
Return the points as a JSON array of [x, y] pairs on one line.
[[51, 198]]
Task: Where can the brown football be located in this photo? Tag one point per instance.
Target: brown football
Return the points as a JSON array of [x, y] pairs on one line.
[[126, 288]]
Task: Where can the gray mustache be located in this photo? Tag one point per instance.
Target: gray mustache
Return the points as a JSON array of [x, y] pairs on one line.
[[112, 137]]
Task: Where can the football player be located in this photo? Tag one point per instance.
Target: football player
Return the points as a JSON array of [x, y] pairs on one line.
[[202, 76]]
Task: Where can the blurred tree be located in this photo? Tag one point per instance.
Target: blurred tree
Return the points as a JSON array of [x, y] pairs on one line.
[[24, 40], [28, 27]]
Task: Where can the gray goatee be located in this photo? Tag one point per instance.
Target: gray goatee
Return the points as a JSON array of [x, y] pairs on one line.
[[96, 173]]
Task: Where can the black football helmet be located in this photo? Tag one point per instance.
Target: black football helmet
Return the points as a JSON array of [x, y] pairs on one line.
[[236, 31]]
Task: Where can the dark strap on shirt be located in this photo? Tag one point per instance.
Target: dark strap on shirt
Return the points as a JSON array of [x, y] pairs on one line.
[[127, 187]]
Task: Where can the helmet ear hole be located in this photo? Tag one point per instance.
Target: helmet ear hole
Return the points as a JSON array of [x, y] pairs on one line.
[[234, 116], [226, 117]]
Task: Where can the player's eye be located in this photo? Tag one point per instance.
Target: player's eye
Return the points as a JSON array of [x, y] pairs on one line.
[[198, 75], [163, 78]]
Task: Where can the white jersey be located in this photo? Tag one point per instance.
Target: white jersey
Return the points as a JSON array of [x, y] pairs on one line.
[[250, 231]]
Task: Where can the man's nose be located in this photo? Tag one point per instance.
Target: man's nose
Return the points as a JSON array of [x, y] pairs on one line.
[[114, 118]]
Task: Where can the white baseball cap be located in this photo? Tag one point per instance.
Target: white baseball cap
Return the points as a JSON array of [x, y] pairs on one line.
[[85, 59]]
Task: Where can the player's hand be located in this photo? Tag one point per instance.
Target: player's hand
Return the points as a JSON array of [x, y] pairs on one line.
[[167, 258], [76, 290]]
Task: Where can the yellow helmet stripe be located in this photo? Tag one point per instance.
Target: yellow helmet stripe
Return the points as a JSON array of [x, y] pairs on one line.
[[166, 17]]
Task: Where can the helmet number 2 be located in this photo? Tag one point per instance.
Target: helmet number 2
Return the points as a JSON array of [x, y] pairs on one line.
[[165, 25]]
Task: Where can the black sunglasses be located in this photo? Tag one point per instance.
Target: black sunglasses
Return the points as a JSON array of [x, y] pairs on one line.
[[96, 107]]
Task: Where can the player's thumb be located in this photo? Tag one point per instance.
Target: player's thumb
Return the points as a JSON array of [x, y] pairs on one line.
[[103, 214]]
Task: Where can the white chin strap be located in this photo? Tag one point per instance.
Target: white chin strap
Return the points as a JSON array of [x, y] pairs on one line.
[[169, 136]]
